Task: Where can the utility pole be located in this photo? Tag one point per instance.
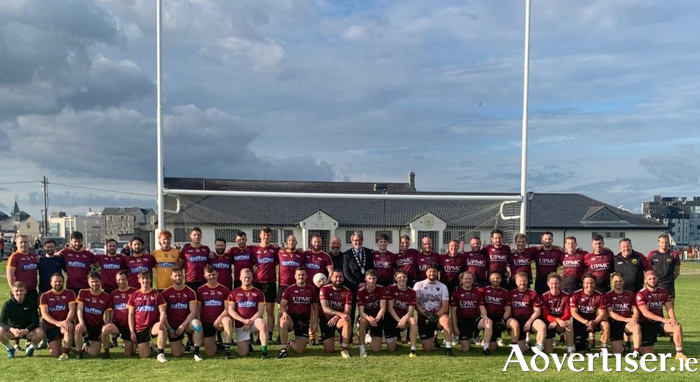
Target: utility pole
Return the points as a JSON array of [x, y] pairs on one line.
[[45, 187]]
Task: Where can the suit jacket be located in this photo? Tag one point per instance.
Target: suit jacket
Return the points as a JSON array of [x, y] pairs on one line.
[[352, 271]]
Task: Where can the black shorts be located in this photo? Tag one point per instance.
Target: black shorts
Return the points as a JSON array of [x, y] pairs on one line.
[[581, 335], [124, 332], [327, 332], [498, 327], [177, 338], [650, 331], [94, 333], [194, 285], [541, 285], [551, 333], [390, 329], [570, 285], [269, 289], [280, 291], [144, 336], [53, 333], [426, 330], [468, 327], [617, 330], [208, 329], [376, 331], [300, 325], [521, 324]]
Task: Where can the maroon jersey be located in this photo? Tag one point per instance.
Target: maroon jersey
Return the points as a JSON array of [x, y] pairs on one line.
[[212, 302], [407, 262], [521, 262], [371, 300], [498, 258], [654, 301], [573, 267], [195, 260], [266, 261], [495, 301], [451, 268], [109, 267], [58, 304], [317, 262], [300, 300], [587, 306], [94, 306], [524, 303], [120, 311], [245, 302], [26, 267], [467, 302], [384, 264], [177, 304], [77, 267], [336, 299], [422, 261], [145, 305], [554, 307], [621, 303], [478, 264], [401, 299], [137, 264], [223, 269], [601, 265], [289, 262], [547, 262], [242, 258]]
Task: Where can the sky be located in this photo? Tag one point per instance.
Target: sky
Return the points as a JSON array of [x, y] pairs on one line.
[[348, 90]]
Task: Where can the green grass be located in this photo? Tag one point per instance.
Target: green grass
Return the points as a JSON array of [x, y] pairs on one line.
[[317, 366]]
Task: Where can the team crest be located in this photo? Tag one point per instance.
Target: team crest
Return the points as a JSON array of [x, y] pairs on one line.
[[438, 289], [669, 261], [635, 261], [526, 298]]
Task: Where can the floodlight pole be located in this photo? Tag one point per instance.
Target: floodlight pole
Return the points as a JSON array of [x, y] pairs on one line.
[[159, 116], [523, 159]]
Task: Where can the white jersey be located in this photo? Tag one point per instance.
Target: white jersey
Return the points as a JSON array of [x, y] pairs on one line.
[[430, 296]]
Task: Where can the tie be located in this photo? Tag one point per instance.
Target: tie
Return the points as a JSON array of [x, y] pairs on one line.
[[359, 256]]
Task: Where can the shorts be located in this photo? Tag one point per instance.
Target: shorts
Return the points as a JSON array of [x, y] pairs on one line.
[[670, 288], [327, 332], [144, 336], [426, 330], [300, 325], [194, 285], [390, 329], [376, 331], [617, 330], [176, 338], [124, 332], [569, 285], [551, 333], [541, 286], [208, 329], [245, 335], [269, 289], [468, 327], [581, 335], [521, 324], [280, 291], [94, 333], [53, 333], [498, 327], [650, 331]]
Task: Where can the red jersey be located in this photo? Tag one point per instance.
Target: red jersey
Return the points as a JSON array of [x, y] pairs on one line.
[[289, 262], [195, 260], [495, 301], [524, 303], [317, 262], [77, 267], [478, 264], [601, 265], [467, 302], [587, 306], [573, 267], [177, 304], [223, 269], [94, 306], [242, 258], [554, 307], [146, 308], [212, 302], [521, 262], [336, 299], [266, 261], [422, 261], [120, 311], [137, 264], [384, 264], [654, 301], [245, 302], [401, 300], [451, 268], [26, 267], [109, 267], [58, 304], [547, 262], [498, 258], [300, 300], [621, 303], [371, 300], [407, 262]]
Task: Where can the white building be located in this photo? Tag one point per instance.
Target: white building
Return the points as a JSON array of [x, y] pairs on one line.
[[62, 225]]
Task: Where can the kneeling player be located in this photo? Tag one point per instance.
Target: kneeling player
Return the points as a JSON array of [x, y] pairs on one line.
[[147, 318], [120, 315], [433, 306], [246, 305], [497, 304], [213, 315], [20, 319], [336, 302], [651, 301], [556, 314], [588, 311], [58, 311], [526, 312], [181, 314], [371, 302], [298, 312], [93, 307], [401, 303], [469, 315], [623, 315]]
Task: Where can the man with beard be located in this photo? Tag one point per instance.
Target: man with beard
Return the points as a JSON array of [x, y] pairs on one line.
[[336, 255], [212, 298], [433, 306], [588, 310], [195, 257], [425, 257], [246, 305], [476, 262], [623, 315], [520, 260], [167, 258], [667, 266], [371, 302], [556, 314], [120, 315], [357, 260], [547, 260], [20, 319], [93, 310], [498, 254], [573, 266], [336, 303], [600, 264], [298, 312], [406, 259], [383, 261], [401, 303], [222, 261], [651, 302], [317, 261], [497, 304], [78, 261], [452, 265], [147, 318], [138, 262], [110, 264], [181, 315], [469, 315], [243, 257], [289, 260], [58, 311], [526, 310], [49, 263]]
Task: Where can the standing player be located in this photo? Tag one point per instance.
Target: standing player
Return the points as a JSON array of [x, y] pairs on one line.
[[147, 318], [525, 314], [120, 314], [498, 254], [425, 257], [266, 259], [632, 265], [167, 258], [477, 262], [433, 306], [573, 266], [23, 266], [49, 264], [93, 310], [58, 311], [452, 265], [623, 315], [406, 259], [497, 304], [589, 313], [138, 262], [181, 315], [556, 314], [317, 261], [20, 319], [195, 257], [289, 260], [78, 261], [469, 315], [110, 264], [600, 264], [667, 266], [243, 257], [371, 303], [651, 302], [298, 312], [336, 302], [547, 260], [212, 312], [520, 260], [401, 303], [336, 254], [384, 261], [246, 305], [222, 261]]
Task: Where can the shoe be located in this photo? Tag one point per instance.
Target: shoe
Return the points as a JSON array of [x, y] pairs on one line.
[[198, 358], [282, 355], [448, 352], [626, 347], [681, 356], [363, 352], [105, 356], [63, 357], [263, 355], [486, 352], [500, 343], [250, 347], [436, 342], [161, 358], [42, 345], [189, 346], [11, 353], [227, 355], [79, 355], [30, 351], [345, 354], [18, 348], [368, 339], [635, 354], [114, 344], [412, 354]]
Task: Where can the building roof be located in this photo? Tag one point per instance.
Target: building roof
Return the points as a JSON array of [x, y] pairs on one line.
[[288, 186], [125, 211], [10, 223]]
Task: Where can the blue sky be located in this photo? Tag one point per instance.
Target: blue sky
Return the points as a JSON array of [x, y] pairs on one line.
[[349, 90]]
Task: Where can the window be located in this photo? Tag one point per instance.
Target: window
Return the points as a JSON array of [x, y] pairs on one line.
[[228, 234], [610, 234], [180, 235], [388, 233], [275, 236], [348, 236], [287, 233]]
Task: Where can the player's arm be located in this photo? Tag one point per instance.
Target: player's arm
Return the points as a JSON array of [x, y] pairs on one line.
[[382, 310], [575, 314], [391, 310], [644, 310], [259, 313], [132, 321], [361, 309], [81, 320], [163, 316], [45, 315], [536, 311], [677, 267], [314, 317], [283, 308], [10, 272], [616, 316], [4, 317], [671, 312], [600, 316], [419, 308], [454, 320], [193, 314], [108, 316], [327, 309], [507, 313], [232, 312], [635, 313]]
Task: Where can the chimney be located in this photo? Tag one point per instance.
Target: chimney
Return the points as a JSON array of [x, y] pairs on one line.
[[412, 179]]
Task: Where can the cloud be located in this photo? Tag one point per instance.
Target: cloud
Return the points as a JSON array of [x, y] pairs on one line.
[[71, 200], [353, 32]]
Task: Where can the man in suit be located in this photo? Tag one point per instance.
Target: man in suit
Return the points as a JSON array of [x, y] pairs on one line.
[[356, 261]]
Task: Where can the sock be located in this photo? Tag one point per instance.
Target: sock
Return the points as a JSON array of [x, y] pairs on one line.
[[227, 347], [603, 346], [413, 348], [679, 349], [570, 349], [161, 351], [344, 346], [486, 346], [196, 350], [362, 347], [106, 349], [448, 344], [31, 346], [636, 350], [263, 348], [283, 347]]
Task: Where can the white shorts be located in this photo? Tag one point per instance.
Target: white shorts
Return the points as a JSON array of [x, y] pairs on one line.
[[244, 335]]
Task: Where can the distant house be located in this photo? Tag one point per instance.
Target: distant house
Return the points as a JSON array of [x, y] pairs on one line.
[[122, 223], [20, 222]]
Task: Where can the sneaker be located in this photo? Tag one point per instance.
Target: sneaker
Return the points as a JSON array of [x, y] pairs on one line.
[[500, 342], [189, 346], [263, 355], [368, 339], [363, 352], [412, 354], [345, 354], [11, 353], [42, 345], [227, 355], [198, 358], [30, 351], [681, 356], [448, 352], [282, 355], [161, 358], [105, 355], [486, 352], [63, 357], [18, 348], [79, 355]]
